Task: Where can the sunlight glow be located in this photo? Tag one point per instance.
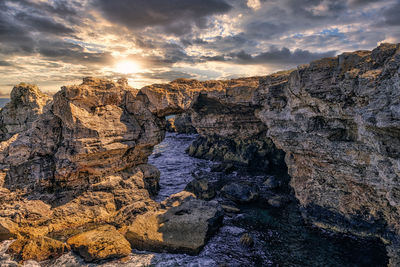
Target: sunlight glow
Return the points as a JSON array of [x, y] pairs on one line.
[[127, 67]]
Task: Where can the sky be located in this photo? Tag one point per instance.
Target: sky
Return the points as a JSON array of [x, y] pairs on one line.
[[58, 42]]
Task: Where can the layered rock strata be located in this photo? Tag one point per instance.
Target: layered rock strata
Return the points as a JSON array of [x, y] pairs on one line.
[[81, 163], [27, 102], [223, 113], [338, 120]]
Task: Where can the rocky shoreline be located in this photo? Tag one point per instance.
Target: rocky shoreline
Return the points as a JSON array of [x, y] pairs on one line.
[[76, 167]]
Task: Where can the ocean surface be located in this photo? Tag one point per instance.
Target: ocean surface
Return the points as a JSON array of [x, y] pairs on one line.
[[280, 236]]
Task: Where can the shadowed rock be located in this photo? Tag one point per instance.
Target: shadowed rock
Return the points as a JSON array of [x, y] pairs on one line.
[[184, 228]]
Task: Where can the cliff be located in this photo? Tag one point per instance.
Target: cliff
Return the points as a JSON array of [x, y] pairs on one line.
[[338, 122]]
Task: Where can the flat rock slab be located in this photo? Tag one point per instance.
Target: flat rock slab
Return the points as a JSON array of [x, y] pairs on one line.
[[181, 229], [102, 243]]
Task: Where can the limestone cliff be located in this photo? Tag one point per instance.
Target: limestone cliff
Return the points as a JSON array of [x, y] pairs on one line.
[[338, 120]]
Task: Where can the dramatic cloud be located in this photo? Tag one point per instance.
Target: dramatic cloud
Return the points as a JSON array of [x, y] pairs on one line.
[[57, 42], [174, 16]]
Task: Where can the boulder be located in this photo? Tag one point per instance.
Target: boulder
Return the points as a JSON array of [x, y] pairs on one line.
[[37, 248], [240, 192], [272, 183], [181, 229], [278, 201], [202, 188], [101, 243]]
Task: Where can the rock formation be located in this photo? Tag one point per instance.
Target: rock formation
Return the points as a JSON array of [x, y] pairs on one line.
[[83, 161], [183, 124], [222, 112], [80, 164], [338, 120], [99, 244], [184, 228], [26, 104]]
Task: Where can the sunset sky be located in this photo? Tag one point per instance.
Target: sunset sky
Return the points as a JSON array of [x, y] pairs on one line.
[[57, 42]]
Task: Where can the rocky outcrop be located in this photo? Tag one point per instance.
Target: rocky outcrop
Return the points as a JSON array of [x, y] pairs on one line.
[[184, 228], [338, 120], [81, 163], [181, 123], [26, 104]]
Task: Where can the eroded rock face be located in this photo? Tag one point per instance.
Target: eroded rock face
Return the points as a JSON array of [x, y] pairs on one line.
[[81, 163], [223, 113], [91, 131], [26, 104], [338, 120]]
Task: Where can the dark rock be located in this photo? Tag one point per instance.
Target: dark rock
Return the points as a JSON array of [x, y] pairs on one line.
[[202, 188], [240, 192], [183, 124], [278, 201], [230, 208], [170, 126], [272, 183], [256, 153]]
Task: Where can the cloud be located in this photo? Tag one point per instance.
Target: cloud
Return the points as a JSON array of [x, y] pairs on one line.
[[4, 63], [43, 24], [254, 4], [277, 56], [173, 16], [392, 15]]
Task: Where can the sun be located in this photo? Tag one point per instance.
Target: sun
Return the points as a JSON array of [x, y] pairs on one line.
[[126, 67]]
